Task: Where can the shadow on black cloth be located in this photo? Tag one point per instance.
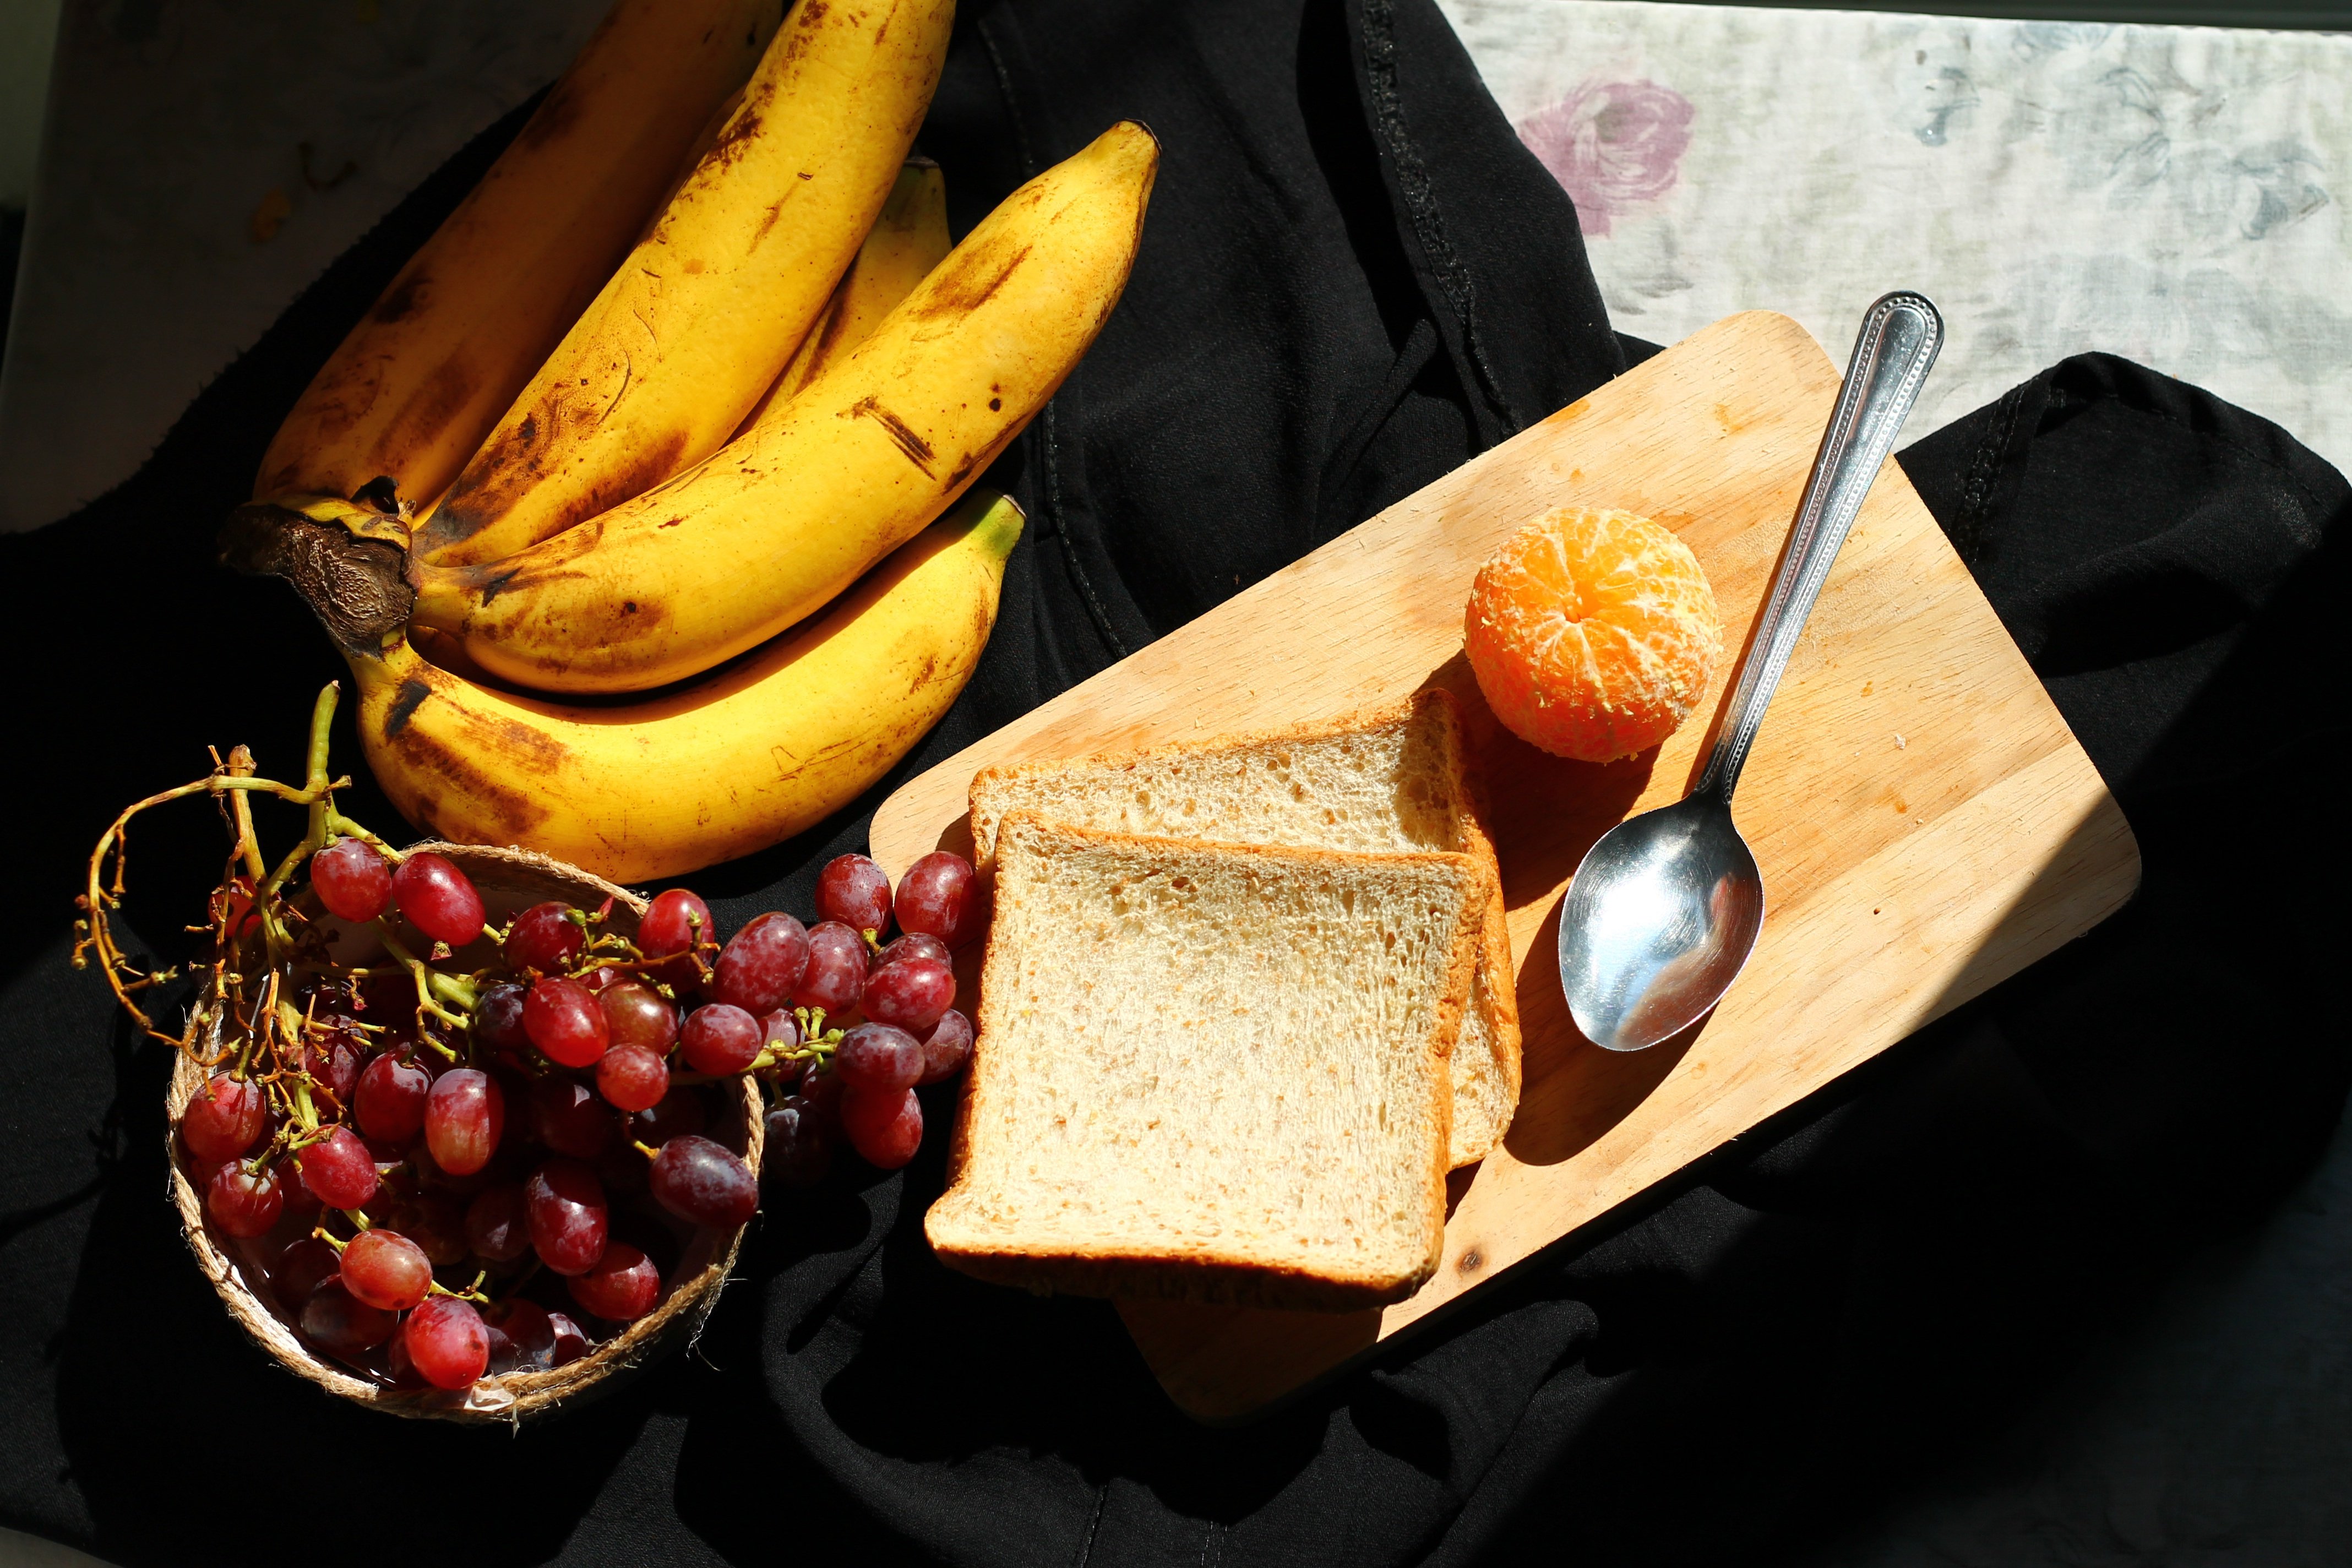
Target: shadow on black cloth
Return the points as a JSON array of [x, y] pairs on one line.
[[1353, 279]]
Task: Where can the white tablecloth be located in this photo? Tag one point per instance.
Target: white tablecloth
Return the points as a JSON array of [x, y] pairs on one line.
[[2172, 195]]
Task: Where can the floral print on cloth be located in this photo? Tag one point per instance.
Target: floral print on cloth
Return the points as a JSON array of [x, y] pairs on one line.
[[1612, 144], [2173, 194]]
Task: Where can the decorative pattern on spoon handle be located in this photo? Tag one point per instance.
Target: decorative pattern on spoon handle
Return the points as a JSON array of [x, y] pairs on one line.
[[1897, 343]]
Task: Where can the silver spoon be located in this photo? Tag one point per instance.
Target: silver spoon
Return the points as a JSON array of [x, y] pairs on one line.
[[1665, 908]]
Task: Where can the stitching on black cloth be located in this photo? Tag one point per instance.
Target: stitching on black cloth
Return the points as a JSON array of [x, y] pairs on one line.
[[1968, 531], [1415, 185], [1094, 1523], [1012, 102], [1094, 611], [1052, 453]]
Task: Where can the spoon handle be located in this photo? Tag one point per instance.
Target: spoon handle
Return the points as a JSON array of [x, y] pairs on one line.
[[1898, 342]]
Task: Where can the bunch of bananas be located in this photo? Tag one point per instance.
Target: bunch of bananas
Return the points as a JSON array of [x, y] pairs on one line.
[[687, 395]]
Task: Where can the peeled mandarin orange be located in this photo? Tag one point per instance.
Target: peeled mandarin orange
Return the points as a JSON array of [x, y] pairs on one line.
[[1592, 634]]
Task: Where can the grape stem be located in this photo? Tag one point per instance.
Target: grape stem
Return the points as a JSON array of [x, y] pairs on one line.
[[233, 782], [470, 1293], [432, 985]]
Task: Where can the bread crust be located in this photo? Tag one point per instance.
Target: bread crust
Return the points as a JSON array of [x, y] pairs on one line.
[[1108, 1266]]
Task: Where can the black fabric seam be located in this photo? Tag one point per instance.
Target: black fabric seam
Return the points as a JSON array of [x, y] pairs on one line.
[[1011, 99], [1050, 441], [1094, 1523], [1983, 482], [1414, 188], [1047, 441]]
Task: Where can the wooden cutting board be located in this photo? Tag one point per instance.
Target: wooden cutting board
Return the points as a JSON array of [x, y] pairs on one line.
[[1925, 824]]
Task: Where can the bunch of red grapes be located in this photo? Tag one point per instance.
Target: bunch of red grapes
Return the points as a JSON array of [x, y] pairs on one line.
[[545, 1140]]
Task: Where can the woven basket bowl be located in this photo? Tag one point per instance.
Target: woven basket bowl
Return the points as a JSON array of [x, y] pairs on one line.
[[510, 880]]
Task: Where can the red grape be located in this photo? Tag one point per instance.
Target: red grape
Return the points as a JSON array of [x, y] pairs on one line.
[[780, 1029], [570, 1120], [399, 1364], [384, 1269], [333, 1064], [429, 1173], [622, 1286], [564, 1021], [437, 1224], [914, 944], [521, 1338], [389, 1102], [758, 969], [936, 894], [465, 1116], [448, 1342], [339, 1170], [855, 891], [702, 1181], [878, 1058], [800, 1144], [438, 899], [546, 938], [676, 922], [245, 1202], [568, 1217], [946, 1049], [821, 1086], [911, 993], [680, 1111], [837, 968], [302, 1268], [885, 1126], [571, 1344], [390, 994], [497, 1224], [352, 878], [224, 1117], [719, 1038], [497, 1017], [343, 1324], [622, 1169], [632, 1077], [635, 1015]]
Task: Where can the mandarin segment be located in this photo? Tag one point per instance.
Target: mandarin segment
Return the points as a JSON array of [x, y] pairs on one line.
[[1592, 633]]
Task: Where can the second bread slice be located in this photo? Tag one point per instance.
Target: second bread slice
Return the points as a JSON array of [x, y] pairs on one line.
[[1210, 1072], [1384, 780]]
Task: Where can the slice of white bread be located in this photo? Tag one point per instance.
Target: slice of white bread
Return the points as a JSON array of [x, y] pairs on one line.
[[1211, 1072], [1386, 780]]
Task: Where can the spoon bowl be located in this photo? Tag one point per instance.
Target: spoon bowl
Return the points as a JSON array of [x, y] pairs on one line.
[[1663, 913], [1667, 906]]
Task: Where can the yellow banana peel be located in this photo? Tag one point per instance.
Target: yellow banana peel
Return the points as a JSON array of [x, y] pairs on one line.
[[398, 409], [908, 239], [774, 526], [695, 323], [762, 749]]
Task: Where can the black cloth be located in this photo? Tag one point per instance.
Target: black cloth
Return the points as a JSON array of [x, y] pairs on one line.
[[1352, 279]]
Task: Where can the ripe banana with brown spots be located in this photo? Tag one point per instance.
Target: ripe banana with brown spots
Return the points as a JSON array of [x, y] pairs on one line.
[[423, 377], [697, 322], [761, 751], [908, 239], [782, 520]]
